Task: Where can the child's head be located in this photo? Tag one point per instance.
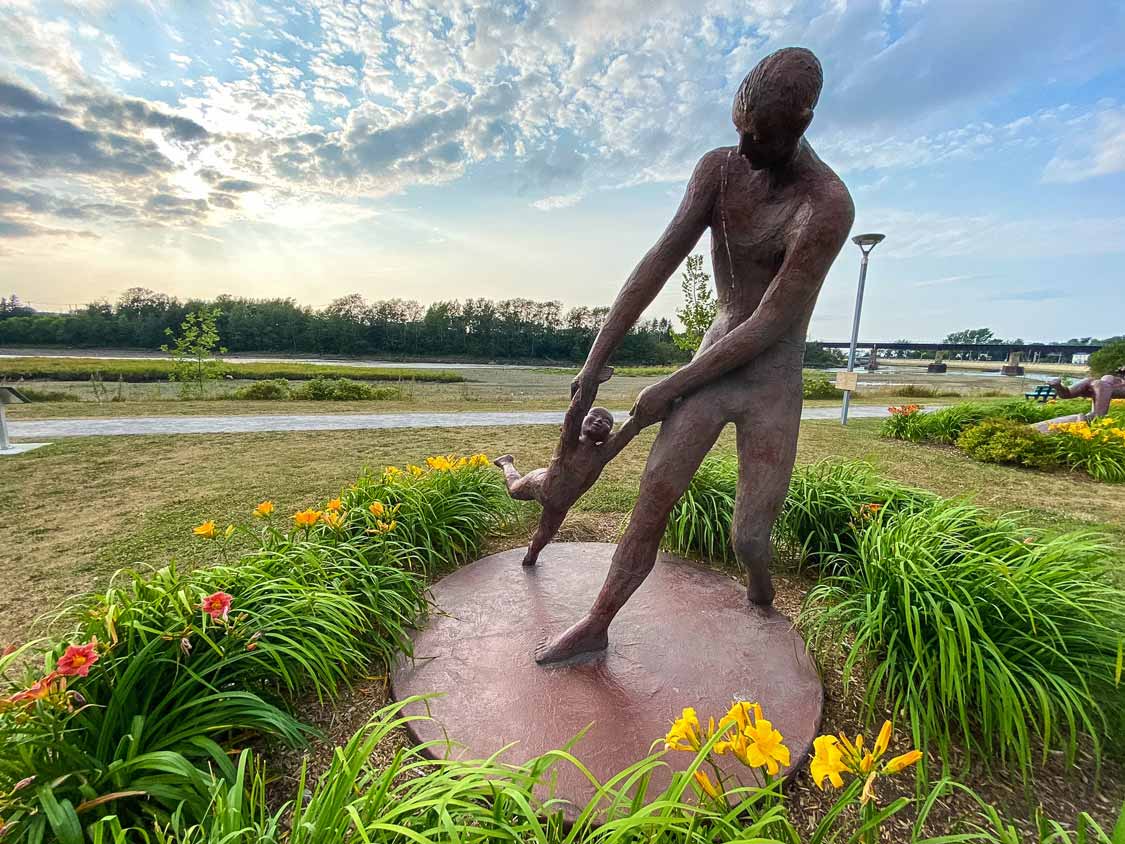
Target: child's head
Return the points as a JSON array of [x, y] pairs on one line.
[[596, 427]]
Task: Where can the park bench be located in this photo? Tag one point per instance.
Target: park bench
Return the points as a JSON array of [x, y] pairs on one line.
[[1041, 393]]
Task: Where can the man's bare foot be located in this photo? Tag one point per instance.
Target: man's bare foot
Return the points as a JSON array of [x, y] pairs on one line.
[[503, 459], [584, 637]]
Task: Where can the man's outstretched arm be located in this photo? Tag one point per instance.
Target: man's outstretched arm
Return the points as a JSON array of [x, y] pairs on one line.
[[654, 270], [814, 247]]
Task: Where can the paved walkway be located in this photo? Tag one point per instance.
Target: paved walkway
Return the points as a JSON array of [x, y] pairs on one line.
[[138, 425]]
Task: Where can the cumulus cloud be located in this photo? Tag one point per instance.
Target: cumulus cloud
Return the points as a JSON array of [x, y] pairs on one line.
[[343, 100]]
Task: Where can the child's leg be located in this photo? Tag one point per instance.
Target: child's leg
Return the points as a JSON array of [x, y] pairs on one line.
[[549, 523], [512, 478]]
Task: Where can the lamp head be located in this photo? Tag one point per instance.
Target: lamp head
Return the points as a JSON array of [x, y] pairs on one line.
[[867, 242]]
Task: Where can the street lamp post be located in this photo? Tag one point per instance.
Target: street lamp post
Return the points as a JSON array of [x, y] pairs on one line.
[[865, 242]]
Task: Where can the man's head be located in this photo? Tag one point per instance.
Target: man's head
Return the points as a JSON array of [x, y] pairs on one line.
[[774, 106], [597, 426]]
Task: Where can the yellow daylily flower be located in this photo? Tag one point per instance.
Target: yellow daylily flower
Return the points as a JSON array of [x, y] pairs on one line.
[[415, 470], [206, 530], [827, 762], [334, 505], [883, 741], [333, 519], [386, 527], [228, 532], [765, 747], [377, 508], [264, 509], [903, 761], [685, 733], [306, 518], [709, 787]]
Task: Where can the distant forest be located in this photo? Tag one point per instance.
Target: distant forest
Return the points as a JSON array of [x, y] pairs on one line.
[[512, 329]]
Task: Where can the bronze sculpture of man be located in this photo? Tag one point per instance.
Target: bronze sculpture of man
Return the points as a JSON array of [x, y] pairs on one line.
[[778, 217]]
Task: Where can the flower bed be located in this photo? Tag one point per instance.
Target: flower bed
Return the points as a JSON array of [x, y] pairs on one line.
[[1000, 433], [134, 725]]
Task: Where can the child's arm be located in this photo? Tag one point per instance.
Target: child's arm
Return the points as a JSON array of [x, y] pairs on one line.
[[618, 440]]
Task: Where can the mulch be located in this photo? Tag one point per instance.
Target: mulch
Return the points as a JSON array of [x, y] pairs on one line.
[[1060, 791]]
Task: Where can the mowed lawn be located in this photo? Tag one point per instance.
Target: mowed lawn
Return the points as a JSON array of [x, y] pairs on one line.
[[80, 509]]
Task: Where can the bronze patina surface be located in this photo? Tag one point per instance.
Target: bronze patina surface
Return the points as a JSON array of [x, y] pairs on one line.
[[688, 637], [777, 217]]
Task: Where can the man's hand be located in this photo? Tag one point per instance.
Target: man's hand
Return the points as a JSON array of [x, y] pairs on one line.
[[586, 382], [653, 404]]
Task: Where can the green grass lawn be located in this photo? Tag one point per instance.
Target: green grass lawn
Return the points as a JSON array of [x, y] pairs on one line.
[[79, 509], [136, 370]]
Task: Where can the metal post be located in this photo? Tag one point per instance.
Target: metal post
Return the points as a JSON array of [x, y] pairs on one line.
[[855, 336], [865, 242], [5, 443]]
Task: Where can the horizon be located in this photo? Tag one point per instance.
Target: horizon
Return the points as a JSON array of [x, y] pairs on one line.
[[315, 149]]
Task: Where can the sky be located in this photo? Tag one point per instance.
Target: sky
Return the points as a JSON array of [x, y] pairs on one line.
[[441, 150]]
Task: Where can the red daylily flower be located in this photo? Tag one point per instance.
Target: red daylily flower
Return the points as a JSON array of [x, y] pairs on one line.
[[217, 606], [77, 660]]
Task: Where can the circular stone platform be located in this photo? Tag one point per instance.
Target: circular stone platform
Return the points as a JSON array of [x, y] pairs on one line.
[[688, 637]]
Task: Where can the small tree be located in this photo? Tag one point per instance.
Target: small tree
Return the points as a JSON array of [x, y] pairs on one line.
[[699, 308], [194, 353], [1109, 358]]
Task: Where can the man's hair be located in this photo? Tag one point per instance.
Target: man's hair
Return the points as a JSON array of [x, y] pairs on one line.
[[788, 80]]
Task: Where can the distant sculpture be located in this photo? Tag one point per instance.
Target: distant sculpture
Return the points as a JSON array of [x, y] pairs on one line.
[[1101, 391], [778, 217], [584, 449]]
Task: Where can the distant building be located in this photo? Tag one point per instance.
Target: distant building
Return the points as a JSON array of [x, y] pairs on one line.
[[1081, 358]]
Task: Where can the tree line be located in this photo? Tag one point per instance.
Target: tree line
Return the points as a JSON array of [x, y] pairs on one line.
[[511, 329]]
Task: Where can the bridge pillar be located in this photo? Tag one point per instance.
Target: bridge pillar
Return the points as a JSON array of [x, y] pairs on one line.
[[1012, 367], [873, 361], [938, 366]]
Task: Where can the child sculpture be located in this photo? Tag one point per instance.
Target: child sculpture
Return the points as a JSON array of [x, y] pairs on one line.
[[587, 444]]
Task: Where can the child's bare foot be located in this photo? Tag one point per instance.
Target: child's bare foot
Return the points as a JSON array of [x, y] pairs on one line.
[[502, 460], [583, 637]]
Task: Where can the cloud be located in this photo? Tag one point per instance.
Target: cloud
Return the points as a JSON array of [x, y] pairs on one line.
[[1097, 150], [550, 203], [20, 100], [13, 228]]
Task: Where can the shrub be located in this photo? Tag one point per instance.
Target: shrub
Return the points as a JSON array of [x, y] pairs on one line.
[[700, 524], [988, 635], [442, 512], [1003, 441], [275, 389], [34, 394], [342, 389], [132, 724], [830, 502], [1109, 358], [1097, 447], [816, 386], [904, 423]]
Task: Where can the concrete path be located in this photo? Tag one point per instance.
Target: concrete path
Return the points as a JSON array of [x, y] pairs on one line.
[[146, 425]]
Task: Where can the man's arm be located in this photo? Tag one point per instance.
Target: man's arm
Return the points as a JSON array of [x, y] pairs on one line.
[[814, 247], [658, 264]]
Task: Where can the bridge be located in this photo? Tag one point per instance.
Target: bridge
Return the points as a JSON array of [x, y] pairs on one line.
[[983, 348], [1014, 351]]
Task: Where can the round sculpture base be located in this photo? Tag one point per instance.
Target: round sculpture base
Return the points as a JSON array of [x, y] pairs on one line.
[[688, 637]]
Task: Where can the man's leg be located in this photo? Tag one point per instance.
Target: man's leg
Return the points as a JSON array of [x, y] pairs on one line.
[[685, 438], [550, 520], [767, 447]]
